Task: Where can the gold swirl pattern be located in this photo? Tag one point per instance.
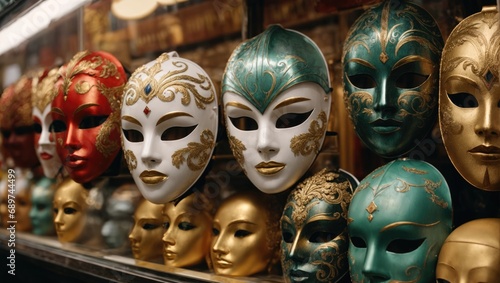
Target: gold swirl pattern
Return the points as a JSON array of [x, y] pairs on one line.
[[144, 85], [130, 159], [448, 125], [104, 143], [322, 187], [237, 147], [305, 144], [195, 151]]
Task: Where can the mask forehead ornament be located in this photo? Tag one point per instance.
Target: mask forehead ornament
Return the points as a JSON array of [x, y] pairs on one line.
[[266, 65], [469, 99], [391, 65]]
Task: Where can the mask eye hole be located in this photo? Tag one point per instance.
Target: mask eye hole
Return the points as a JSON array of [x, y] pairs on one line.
[[186, 226], [403, 246], [290, 120], [358, 242], [464, 100], [287, 236], [215, 231], [176, 133], [133, 135], [69, 210], [439, 280], [58, 126], [244, 123], [149, 226], [92, 121], [363, 81], [37, 128], [321, 237], [410, 80], [242, 233]]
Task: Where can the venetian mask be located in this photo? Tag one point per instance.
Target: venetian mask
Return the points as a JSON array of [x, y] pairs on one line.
[[45, 144], [276, 97], [390, 76], [145, 238], [70, 211], [469, 105], [471, 253], [17, 124], [86, 114], [399, 217], [187, 234], [41, 214], [246, 235], [169, 119], [314, 229]]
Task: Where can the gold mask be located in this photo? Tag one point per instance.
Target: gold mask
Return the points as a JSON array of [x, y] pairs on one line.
[[187, 236], [471, 253], [70, 211], [145, 238], [244, 240], [469, 99]]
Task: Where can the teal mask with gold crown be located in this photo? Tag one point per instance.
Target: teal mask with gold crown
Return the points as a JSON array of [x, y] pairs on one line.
[[390, 74], [399, 217]]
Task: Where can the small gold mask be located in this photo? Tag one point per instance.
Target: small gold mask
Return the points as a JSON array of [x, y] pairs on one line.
[[471, 253], [145, 238]]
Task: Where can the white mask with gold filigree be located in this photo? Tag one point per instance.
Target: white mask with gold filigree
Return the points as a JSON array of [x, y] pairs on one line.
[[277, 147], [169, 123]]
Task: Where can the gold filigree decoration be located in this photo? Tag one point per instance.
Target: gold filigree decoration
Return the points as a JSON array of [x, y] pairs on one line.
[[104, 143], [144, 85], [322, 186], [237, 147], [359, 101], [471, 31], [198, 154], [414, 170], [82, 87], [45, 91], [419, 103], [60, 141], [449, 126], [130, 159], [332, 261], [305, 144]]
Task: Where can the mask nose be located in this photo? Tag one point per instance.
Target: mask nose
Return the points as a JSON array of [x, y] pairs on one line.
[[374, 268], [383, 102], [266, 144]]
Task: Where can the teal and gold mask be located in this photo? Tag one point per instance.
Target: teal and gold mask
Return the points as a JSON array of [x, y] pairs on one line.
[[390, 74], [41, 213], [276, 98], [314, 229], [399, 217]]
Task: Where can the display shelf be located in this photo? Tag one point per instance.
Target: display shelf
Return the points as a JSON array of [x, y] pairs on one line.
[[73, 262]]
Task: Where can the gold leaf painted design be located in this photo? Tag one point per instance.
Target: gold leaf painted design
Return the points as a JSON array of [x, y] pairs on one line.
[[414, 170], [359, 101], [45, 91], [130, 159], [168, 85], [419, 103], [332, 259], [307, 143], [449, 126], [471, 31], [82, 87], [237, 147], [322, 186], [198, 154], [104, 143]]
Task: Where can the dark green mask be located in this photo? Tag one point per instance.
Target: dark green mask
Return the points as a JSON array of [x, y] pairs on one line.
[[390, 74]]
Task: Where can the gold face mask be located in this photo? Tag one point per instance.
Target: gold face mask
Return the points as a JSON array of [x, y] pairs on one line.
[[242, 244], [187, 236], [471, 253], [145, 238], [469, 99], [70, 211]]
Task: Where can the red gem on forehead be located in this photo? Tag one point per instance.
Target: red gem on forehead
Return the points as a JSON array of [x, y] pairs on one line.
[[146, 111]]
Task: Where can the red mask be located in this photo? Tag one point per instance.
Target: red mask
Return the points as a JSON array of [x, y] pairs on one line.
[[86, 114], [17, 124]]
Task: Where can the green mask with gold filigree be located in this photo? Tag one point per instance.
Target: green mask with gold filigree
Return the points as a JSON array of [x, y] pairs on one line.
[[277, 59], [399, 217], [390, 75]]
